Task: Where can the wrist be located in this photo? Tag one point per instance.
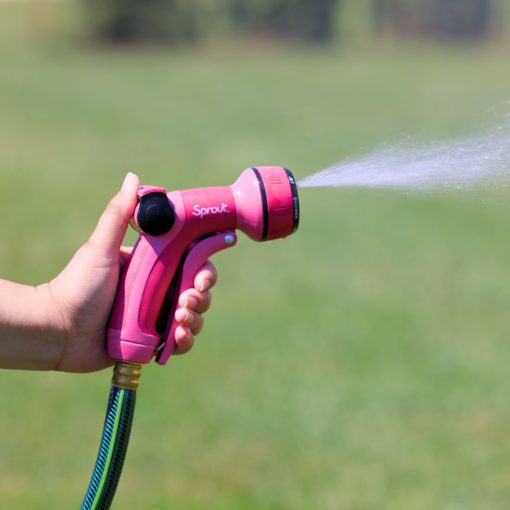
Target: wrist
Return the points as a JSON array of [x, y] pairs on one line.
[[32, 333], [50, 324]]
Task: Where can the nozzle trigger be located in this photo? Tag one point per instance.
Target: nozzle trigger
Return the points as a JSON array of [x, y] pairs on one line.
[[196, 257]]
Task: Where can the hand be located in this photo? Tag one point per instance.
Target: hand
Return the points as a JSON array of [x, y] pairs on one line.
[[83, 293]]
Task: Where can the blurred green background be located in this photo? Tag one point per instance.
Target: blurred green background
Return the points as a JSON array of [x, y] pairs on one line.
[[360, 364]]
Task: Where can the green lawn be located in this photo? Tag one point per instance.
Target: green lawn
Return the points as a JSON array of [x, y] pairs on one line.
[[360, 364]]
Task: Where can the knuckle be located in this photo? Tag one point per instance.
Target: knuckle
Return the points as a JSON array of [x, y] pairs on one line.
[[197, 325]]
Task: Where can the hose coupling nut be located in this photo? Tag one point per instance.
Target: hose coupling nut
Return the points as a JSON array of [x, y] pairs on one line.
[[126, 375]]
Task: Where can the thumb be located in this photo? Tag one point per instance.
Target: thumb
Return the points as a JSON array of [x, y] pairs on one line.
[[112, 225]]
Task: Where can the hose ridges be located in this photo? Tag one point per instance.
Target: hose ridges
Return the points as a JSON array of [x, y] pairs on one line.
[[112, 450]]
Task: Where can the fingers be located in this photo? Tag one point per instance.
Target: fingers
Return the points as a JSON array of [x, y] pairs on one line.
[[192, 299], [206, 277], [113, 223], [192, 304], [184, 339], [192, 320], [198, 299]]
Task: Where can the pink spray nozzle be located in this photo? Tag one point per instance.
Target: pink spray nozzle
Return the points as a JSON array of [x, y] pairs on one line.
[[179, 231], [267, 202]]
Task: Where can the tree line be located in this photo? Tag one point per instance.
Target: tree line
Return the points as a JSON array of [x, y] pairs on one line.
[[316, 21]]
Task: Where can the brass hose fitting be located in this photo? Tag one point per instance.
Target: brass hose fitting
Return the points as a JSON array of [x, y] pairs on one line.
[[126, 375]]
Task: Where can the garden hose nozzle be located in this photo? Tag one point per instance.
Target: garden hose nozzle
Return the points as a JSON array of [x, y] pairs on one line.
[[179, 231]]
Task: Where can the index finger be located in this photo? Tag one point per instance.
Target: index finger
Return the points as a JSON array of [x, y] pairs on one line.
[[206, 277]]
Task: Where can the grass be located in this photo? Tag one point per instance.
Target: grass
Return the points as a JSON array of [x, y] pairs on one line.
[[361, 364]]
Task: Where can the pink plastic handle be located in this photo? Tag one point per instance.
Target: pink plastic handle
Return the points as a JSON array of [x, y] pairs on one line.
[[195, 259]]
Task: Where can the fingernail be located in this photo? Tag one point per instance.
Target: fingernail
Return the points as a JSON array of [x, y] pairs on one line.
[[128, 180], [206, 284]]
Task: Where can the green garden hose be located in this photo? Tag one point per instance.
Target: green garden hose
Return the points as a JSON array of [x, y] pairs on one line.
[[115, 438]]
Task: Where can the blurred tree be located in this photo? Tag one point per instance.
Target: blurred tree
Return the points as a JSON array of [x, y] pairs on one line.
[[447, 18], [399, 16], [311, 20], [462, 18], [130, 21]]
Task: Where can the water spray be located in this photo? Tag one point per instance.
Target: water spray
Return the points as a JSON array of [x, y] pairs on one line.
[[480, 159], [179, 231]]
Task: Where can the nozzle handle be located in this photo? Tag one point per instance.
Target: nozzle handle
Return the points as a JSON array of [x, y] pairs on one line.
[[196, 257]]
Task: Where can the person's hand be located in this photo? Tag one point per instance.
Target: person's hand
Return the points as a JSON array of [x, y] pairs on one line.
[[83, 293]]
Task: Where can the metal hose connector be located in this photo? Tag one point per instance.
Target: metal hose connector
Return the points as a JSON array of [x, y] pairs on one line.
[[126, 375]]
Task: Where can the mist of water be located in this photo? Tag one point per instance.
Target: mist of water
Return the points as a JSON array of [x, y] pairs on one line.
[[481, 159]]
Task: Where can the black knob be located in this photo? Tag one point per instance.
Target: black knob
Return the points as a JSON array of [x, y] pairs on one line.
[[156, 215]]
